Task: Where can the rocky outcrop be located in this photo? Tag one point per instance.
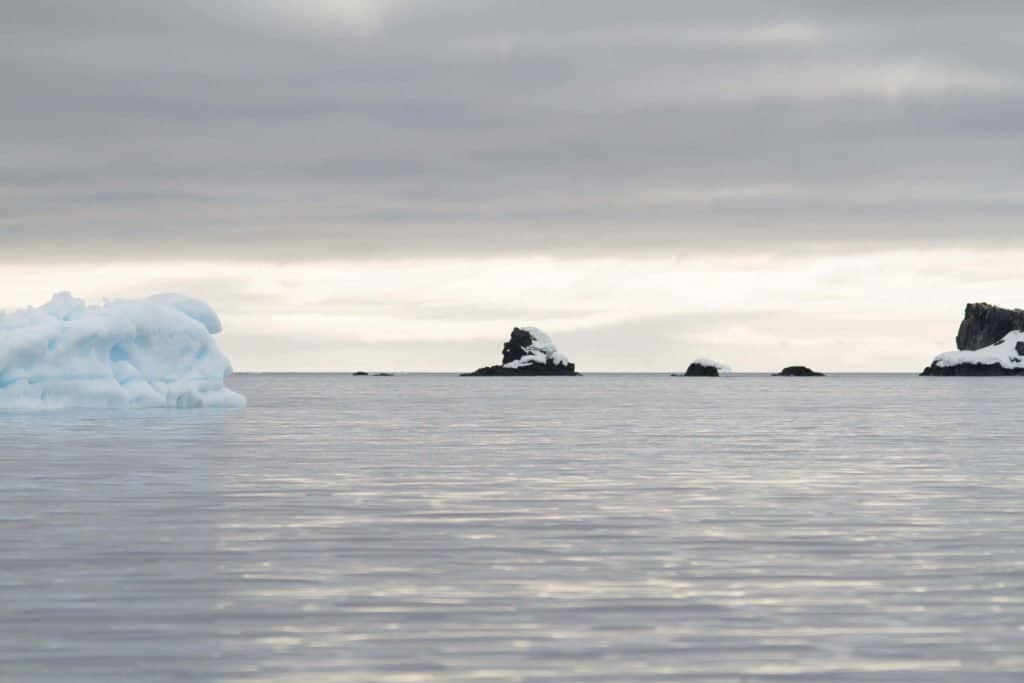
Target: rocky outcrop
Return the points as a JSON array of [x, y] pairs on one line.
[[971, 370], [798, 371], [704, 367], [985, 324], [533, 370], [990, 343], [700, 370], [528, 352]]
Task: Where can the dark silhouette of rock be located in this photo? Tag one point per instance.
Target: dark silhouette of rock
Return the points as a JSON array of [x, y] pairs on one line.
[[971, 370], [798, 371], [360, 373], [516, 347], [528, 352], [700, 370], [985, 325], [532, 370]]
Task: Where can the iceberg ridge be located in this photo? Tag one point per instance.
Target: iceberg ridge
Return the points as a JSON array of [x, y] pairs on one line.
[[127, 353]]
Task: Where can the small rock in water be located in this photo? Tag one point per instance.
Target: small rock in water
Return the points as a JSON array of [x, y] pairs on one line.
[[798, 371], [699, 370]]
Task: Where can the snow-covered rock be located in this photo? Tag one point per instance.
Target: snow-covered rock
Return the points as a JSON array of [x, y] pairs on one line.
[[529, 351], [153, 352], [1005, 357], [704, 367]]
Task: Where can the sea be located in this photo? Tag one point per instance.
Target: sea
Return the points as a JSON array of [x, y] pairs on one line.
[[609, 527]]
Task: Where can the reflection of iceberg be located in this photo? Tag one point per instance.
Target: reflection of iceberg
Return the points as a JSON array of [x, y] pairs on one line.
[[155, 352]]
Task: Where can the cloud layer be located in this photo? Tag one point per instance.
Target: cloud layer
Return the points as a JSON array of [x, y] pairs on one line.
[[363, 128], [887, 312]]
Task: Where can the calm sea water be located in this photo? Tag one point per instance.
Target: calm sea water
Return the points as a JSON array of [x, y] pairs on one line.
[[599, 528]]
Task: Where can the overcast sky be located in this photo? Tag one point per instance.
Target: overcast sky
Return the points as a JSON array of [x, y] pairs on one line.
[[394, 184]]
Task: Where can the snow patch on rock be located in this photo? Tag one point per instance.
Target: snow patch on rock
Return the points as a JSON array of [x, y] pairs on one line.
[[539, 352], [1006, 352], [708, 363]]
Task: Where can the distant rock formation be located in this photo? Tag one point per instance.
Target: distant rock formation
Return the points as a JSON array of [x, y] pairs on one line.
[[528, 352], [704, 367], [363, 373], [698, 370], [798, 371], [985, 324], [990, 343]]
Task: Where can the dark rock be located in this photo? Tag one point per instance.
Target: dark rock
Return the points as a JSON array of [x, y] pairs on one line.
[[520, 344], [985, 325], [360, 373], [1020, 348], [383, 374], [699, 370], [532, 370], [971, 370], [516, 346], [798, 371]]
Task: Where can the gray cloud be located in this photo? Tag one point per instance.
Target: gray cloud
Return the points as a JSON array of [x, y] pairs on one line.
[[339, 128]]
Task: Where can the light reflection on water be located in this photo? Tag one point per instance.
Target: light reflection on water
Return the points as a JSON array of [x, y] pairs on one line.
[[600, 528]]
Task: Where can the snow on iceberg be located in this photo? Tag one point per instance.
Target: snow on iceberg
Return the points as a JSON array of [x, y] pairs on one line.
[[1006, 356], [153, 352]]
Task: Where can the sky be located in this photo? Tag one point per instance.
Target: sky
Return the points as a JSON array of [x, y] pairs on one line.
[[395, 184]]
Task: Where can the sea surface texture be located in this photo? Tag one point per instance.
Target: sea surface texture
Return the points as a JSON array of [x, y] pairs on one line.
[[623, 528]]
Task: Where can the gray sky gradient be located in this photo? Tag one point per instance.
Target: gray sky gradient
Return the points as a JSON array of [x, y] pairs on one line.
[[320, 129], [394, 184]]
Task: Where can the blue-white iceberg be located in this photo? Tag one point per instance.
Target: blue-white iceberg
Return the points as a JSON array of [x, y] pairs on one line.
[[153, 352]]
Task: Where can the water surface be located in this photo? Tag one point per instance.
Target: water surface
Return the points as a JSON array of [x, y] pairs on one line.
[[599, 528]]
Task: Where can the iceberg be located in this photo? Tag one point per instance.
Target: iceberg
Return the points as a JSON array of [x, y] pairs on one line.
[[127, 353]]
